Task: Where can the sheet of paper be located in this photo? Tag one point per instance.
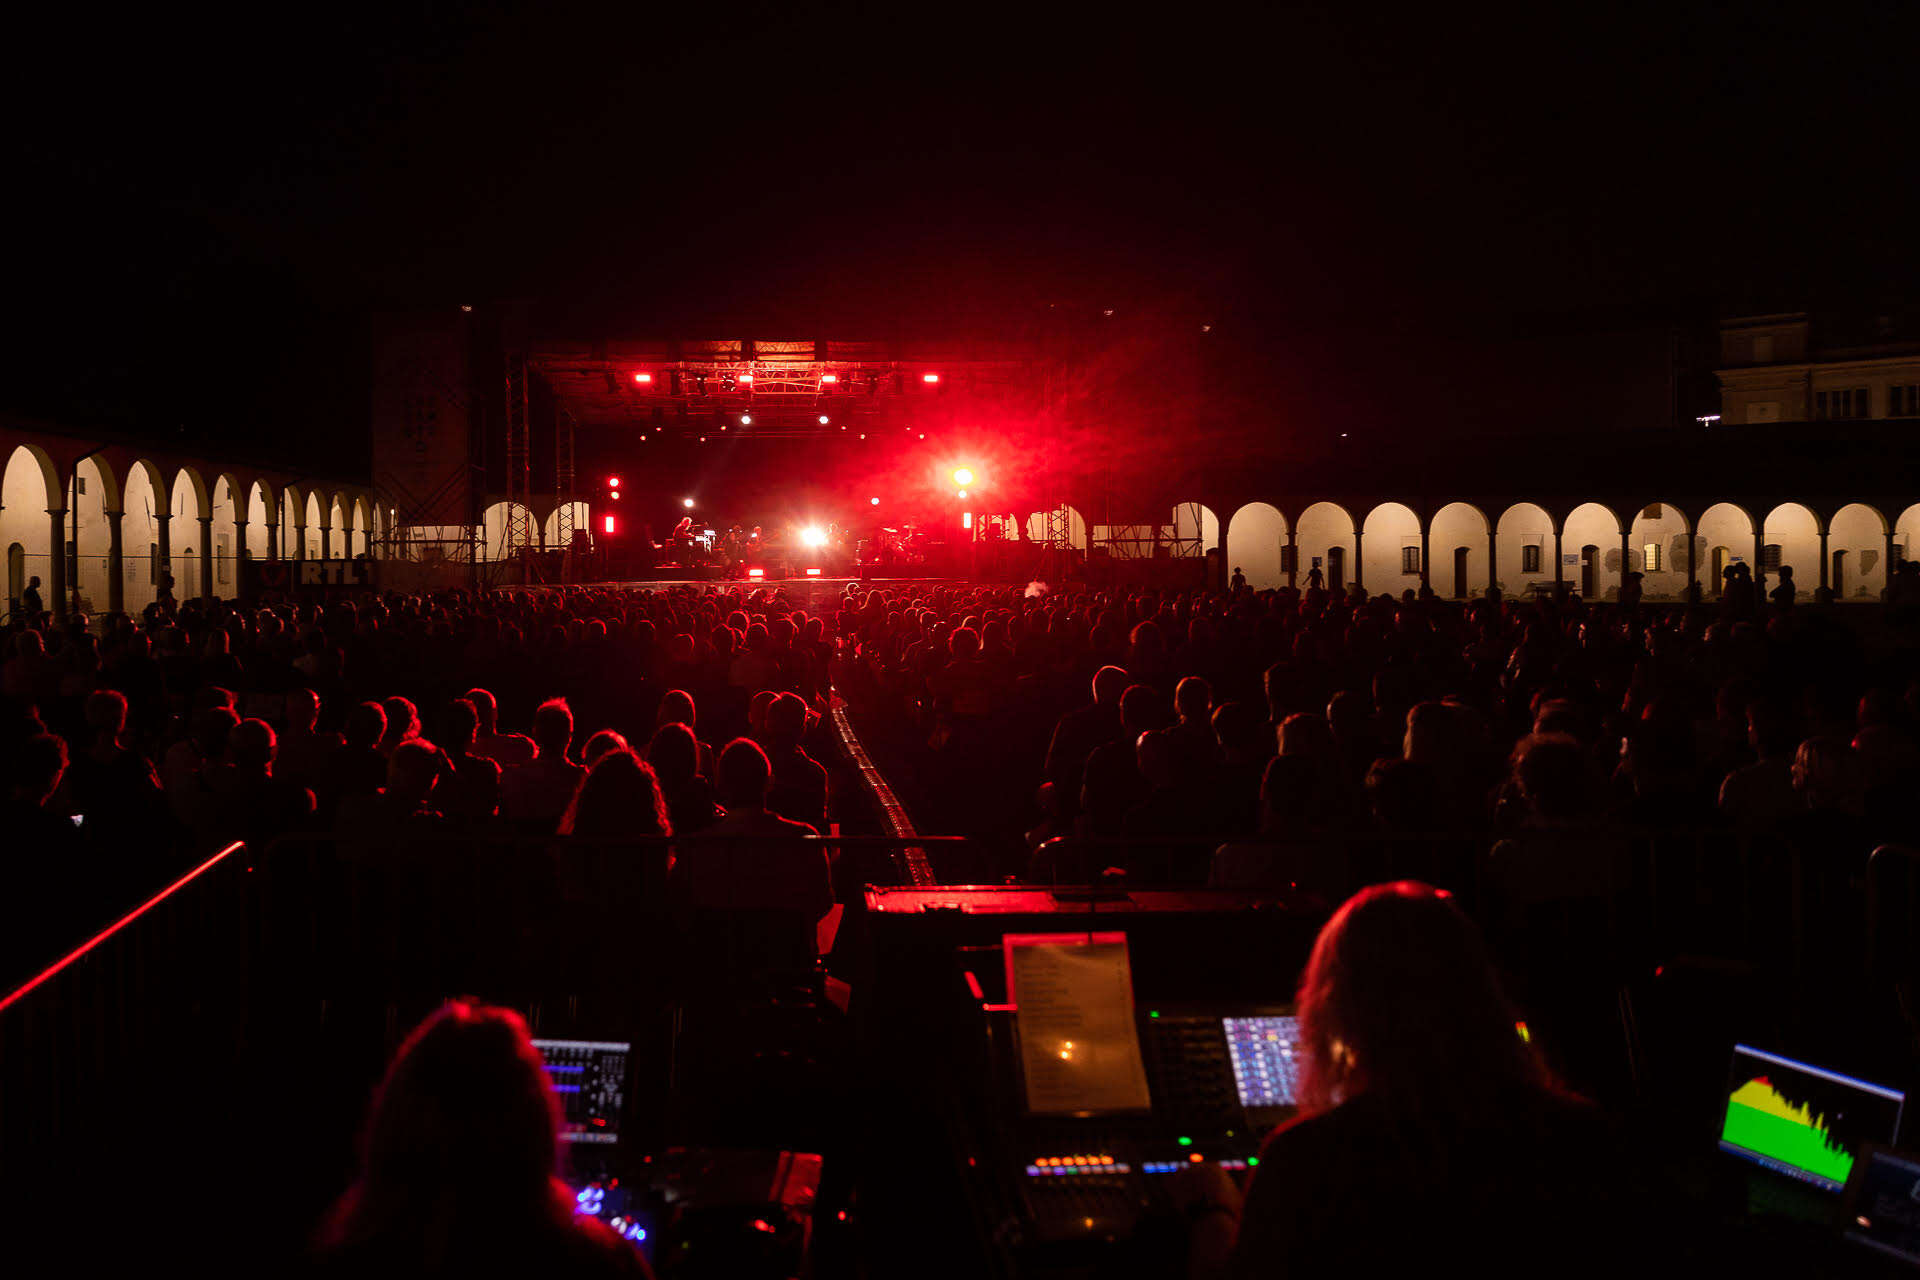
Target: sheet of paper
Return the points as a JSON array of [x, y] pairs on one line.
[[1079, 1045]]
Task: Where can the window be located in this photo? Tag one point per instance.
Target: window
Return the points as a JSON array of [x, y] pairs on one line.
[[1840, 402], [1650, 557], [1903, 402], [1409, 559], [1289, 558], [1530, 558], [1770, 558]]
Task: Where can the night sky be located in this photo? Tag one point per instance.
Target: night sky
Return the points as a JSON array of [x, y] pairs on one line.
[[207, 209]]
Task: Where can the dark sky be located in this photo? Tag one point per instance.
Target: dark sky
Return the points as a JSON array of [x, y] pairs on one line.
[[207, 208]]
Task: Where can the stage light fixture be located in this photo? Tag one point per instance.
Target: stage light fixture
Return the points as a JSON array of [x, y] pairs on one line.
[[615, 495], [613, 482], [608, 526], [756, 573], [643, 378], [688, 502], [746, 419], [966, 519], [874, 501], [829, 379], [813, 573], [963, 477], [726, 382], [963, 493], [929, 377], [746, 378], [863, 435], [813, 536], [823, 419]]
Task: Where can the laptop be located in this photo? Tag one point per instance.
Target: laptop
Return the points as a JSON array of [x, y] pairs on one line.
[[1881, 1211], [1803, 1124]]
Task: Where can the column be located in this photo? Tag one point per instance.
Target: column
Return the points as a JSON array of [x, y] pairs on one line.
[[1493, 555], [116, 568], [1293, 559], [273, 539], [299, 542], [326, 541], [1760, 563], [1426, 539], [206, 558], [1626, 555], [1693, 561], [1825, 571], [57, 570], [164, 519], [1559, 572], [1887, 576], [1359, 559]]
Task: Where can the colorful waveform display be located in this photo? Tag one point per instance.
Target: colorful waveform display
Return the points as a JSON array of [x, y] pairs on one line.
[[1759, 1119], [1801, 1120]]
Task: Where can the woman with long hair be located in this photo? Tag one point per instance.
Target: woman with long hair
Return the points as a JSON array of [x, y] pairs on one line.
[[1429, 1132], [458, 1173], [620, 796]]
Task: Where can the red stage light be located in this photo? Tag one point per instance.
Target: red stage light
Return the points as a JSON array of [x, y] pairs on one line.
[[688, 502], [756, 573], [746, 420], [615, 495], [613, 482], [963, 477], [823, 419], [609, 524], [829, 378], [929, 377], [813, 573], [813, 536], [643, 377], [874, 501], [966, 519]]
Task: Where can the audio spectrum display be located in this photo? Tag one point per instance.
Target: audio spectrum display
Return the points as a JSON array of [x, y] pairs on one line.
[[1801, 1120]]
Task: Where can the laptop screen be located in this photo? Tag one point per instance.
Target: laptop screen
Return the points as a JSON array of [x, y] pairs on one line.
[[1265, 1052], [1803, 1121], [590, 1078]]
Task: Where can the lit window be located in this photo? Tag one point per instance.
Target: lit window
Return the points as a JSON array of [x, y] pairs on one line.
[[1409, 559], [1770, 557], [1650, 557]]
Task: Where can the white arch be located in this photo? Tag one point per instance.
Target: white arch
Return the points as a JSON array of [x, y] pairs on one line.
[[493, 526], [1796, 531], [1857, 553], [262, 515], [1326, 528], [1390, 531], [227, 511], [188, 502], [1593, 524], [1076, 527], [314, 520], [143, 502], [1727, 529], [28, 489], [1523, 525], [550, 527], [1256, 536], [1657, 550], [92, 498], [1457, 528]]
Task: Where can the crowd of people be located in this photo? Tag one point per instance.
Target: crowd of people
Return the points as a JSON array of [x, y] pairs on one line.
[[1156, 735], [129, 748], [1285, 714]]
